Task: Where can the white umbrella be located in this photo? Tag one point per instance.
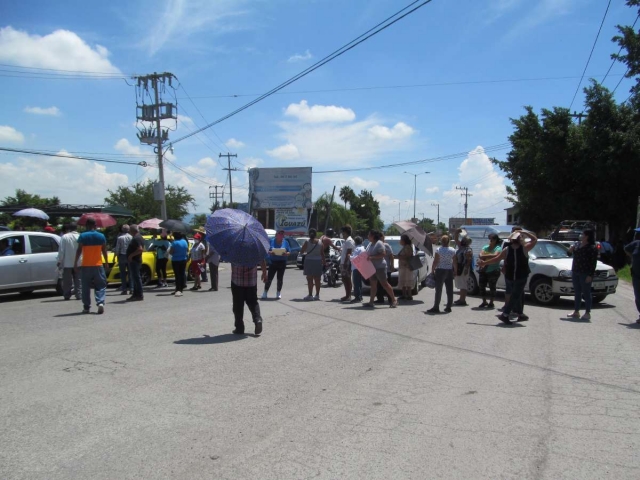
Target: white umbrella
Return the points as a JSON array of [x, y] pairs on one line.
[[151, 223], [31, 212]]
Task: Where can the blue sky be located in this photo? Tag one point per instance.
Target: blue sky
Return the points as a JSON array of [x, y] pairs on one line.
[[222, 48]]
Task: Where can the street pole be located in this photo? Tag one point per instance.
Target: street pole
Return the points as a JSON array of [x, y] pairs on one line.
[[326, 222], [229, 169], [438, 221], [415, 191], [466, 196], [163, 200]]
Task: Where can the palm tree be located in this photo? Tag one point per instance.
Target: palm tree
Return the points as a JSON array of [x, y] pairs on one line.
[[347, 195]]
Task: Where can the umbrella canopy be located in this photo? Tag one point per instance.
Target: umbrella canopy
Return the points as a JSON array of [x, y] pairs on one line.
[[103, 220], [237, 237], [418, 236], [151, 223], [31, 212], [175, 226]]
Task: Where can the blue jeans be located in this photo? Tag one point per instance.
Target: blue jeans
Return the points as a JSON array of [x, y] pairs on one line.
[[582, 290], [357, 285], [123, 264], [134, 273], [96, 278], [516, 300], [636, 290]]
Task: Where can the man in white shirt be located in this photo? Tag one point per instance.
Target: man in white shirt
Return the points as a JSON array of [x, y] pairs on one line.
[[122, 244], [66, 259], [345, 261]]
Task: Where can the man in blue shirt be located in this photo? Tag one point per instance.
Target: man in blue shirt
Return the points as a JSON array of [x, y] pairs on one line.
[[5, 248], [278, 254], [633, 250]]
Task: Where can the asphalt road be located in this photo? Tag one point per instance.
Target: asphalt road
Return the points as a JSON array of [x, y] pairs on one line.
[[161, 389]]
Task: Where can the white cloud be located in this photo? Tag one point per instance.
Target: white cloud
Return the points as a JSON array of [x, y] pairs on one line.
[[207, 162], [432, 189], [71, 179], [300, 58], [10, 135], [540, 12], [361, 183], [234, 144], [51, 111], [285, 152], [124, 146], [399, 131], [252, 162], [319, 113], [62, 50]]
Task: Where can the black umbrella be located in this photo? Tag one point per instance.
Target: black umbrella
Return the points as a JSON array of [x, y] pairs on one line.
[[176, 226]]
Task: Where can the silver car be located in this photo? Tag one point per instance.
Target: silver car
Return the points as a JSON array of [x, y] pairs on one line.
[[33, 265]]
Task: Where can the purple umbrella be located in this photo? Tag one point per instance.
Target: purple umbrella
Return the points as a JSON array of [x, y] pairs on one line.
[[237, 237]]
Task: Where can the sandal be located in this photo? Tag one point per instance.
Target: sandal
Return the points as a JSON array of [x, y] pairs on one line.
[[394, 304]]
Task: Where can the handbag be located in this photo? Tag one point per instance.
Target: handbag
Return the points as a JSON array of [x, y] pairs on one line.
[[307, 253], [430, 281], [415, 263]]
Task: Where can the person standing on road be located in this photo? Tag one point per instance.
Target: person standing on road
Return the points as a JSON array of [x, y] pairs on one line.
[[583, 268], [390, 261], [633, 250], [516, 266], [161, 247], [66, 260], [91, 246], [313, 259], [377, 255], [134, 257], [278, 263], [179, 251], [490, 273], [444, 264], [357, 277], [345, 261], [405, 274], [197, 261], [213, 259], [244, 289], [122, 243], [464, 257]]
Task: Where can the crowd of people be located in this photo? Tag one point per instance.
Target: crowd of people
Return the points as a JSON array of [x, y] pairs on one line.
[[83, 257]]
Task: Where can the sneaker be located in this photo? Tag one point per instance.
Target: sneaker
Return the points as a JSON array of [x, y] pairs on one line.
[[586, 316], [124, 292], [394, 304], [491, 305], [504, 318], [447, 310], [131, 299], [86, 310], [460, 303], [484, 304], [433, 310], [345, 299], [212, 289], [317, 297], [368, 304], [308, 297], [523, 318], [356, 300], [279, 295], [258, 329], [100, 309], [380, 302], [264, 295], [409, 298], [178, 294], [238, 332], [575, 314]]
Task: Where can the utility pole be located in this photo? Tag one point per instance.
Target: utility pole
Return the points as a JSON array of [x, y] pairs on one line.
[[154, 114], [229, 169], [466, 196], [399, 202], [578, 116], [326, 222], [438, 221], [415, 191], [214, 195]]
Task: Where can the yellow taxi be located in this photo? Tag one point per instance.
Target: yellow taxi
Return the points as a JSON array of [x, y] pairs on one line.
[[148, 269]]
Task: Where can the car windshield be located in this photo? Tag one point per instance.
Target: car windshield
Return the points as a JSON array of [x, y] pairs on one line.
[[395, 246], [549, 250]]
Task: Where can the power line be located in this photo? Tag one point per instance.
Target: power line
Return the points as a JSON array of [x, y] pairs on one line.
[[202, 116], [332, 56], [60, 70], [619, 82], [452, 156], [416, 85], [590, 54], [62, 155], [188, 173], [619, 52]]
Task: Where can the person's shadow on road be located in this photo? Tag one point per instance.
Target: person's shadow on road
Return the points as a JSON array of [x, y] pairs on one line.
[[208, 340], [631, 326]]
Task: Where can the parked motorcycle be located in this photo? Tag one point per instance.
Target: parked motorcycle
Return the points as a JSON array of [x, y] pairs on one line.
[[331, 273]]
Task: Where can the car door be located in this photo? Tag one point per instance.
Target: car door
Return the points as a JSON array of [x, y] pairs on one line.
[[294, 249], [14, 269], [43, 259]]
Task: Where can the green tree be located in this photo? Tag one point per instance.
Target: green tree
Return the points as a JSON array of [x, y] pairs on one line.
[[198, 220], [427, 224], [347, 195], [139, 199], [629, 41], [367, 209], [340, 216], [27, 200], [392, 230]]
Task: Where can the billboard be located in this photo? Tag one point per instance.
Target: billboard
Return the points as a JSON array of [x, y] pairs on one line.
[[280, 188], [294, 221]]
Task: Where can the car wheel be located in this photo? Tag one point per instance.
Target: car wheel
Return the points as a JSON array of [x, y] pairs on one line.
[[472, 284], [145, 274], [416, 288], [543, 292], [598, 298]]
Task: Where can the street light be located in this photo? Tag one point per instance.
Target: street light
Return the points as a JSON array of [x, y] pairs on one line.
[[415, 191], [398, 202]]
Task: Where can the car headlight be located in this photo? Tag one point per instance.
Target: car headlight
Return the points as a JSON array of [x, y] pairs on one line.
[[611, 272], [565, 273]]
